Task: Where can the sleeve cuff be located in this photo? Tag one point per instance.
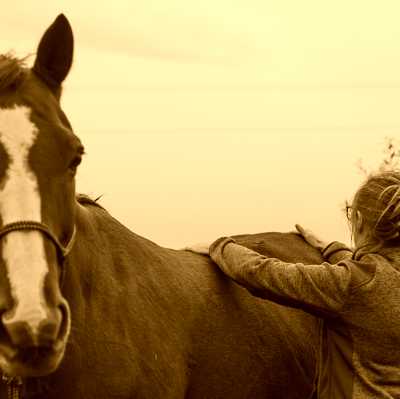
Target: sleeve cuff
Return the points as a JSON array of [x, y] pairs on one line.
[[219, 245], [336, 251]]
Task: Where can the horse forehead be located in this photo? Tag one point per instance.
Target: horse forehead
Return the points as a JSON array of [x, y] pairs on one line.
[[17, 131], [19, 194]]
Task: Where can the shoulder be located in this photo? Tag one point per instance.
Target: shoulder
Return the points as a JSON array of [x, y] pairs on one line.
[[363, 270]]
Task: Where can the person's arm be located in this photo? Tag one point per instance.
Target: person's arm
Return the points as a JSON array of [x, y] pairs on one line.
[[319, 289]]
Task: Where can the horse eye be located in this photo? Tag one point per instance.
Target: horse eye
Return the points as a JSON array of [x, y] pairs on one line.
[[75, 163]]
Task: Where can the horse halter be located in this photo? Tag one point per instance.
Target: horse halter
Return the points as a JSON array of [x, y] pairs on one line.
[[15, 384], [23, 225]]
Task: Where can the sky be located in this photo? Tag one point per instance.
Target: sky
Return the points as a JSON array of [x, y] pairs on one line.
[[222, 117]]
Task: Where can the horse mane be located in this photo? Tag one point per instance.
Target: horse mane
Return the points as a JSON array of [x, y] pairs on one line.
[[86, 200], [12, 71]]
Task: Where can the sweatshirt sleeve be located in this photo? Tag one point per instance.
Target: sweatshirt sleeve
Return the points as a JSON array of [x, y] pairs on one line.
[[318, 289], [336, 252]]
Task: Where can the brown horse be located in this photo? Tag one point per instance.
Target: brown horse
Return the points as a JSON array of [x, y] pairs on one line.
[[90, 310]]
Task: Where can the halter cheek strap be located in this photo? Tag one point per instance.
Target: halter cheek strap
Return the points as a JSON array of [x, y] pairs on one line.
[[62, 250], [15, 384]]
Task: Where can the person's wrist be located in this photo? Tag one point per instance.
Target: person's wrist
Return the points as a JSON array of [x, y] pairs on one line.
[[332, 248], [322, 246]]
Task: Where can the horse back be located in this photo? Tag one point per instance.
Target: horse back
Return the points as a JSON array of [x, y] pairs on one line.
[[151, 322]]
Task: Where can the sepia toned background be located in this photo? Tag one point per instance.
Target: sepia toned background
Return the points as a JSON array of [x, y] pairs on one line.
[[217, 117]]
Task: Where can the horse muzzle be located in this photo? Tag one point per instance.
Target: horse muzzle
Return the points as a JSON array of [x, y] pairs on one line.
[[31, 350]]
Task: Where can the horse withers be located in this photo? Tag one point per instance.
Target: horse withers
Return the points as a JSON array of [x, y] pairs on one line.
[[90, 309]]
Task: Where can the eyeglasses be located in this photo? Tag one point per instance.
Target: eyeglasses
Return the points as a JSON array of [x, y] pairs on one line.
[[349, 211]]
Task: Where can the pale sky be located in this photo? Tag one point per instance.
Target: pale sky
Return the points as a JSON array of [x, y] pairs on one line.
[[221, 117]]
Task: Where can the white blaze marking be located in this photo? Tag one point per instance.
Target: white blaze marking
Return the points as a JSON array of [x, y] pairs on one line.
[[23, 252]]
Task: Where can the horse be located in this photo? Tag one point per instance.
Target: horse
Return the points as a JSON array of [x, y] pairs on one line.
[[90, 309]]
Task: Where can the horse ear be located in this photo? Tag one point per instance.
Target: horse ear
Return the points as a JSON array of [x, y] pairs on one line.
[[55, 52]]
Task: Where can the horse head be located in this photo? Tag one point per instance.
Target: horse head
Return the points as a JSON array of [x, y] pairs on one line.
[[39, 155]]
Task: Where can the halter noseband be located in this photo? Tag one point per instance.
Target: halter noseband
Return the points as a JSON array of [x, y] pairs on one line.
[[62, 250], [14, 384]]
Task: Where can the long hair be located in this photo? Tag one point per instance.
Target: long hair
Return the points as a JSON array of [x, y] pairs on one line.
[[378, 201]]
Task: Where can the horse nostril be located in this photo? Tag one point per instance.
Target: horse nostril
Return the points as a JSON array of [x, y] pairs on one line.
[[65, 319], [41, 332], [20, 333], [48, 331]]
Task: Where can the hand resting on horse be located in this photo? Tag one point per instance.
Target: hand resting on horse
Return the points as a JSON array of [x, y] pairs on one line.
[[311, 238], [203, 248]]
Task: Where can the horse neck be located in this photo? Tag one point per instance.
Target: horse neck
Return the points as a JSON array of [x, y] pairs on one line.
[[107, 255]]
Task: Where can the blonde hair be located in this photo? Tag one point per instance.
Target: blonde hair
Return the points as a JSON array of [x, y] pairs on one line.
[[378, 201]]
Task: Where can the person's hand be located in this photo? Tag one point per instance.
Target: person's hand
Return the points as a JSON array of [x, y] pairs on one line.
[[200, 248], [311, 238]]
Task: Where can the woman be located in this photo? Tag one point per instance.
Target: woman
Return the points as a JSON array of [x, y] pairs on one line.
[[357, 294]]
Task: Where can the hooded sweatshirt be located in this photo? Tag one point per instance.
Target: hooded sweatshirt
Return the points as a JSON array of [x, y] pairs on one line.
[[356, 295]]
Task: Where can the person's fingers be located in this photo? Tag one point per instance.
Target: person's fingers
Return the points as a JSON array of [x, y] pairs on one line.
[[200, 248], [303, 232], [307, 235], [300, 230], [195, 250], [310, 237]]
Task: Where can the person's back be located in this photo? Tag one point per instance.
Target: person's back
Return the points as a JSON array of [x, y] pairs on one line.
[[359, 356]]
